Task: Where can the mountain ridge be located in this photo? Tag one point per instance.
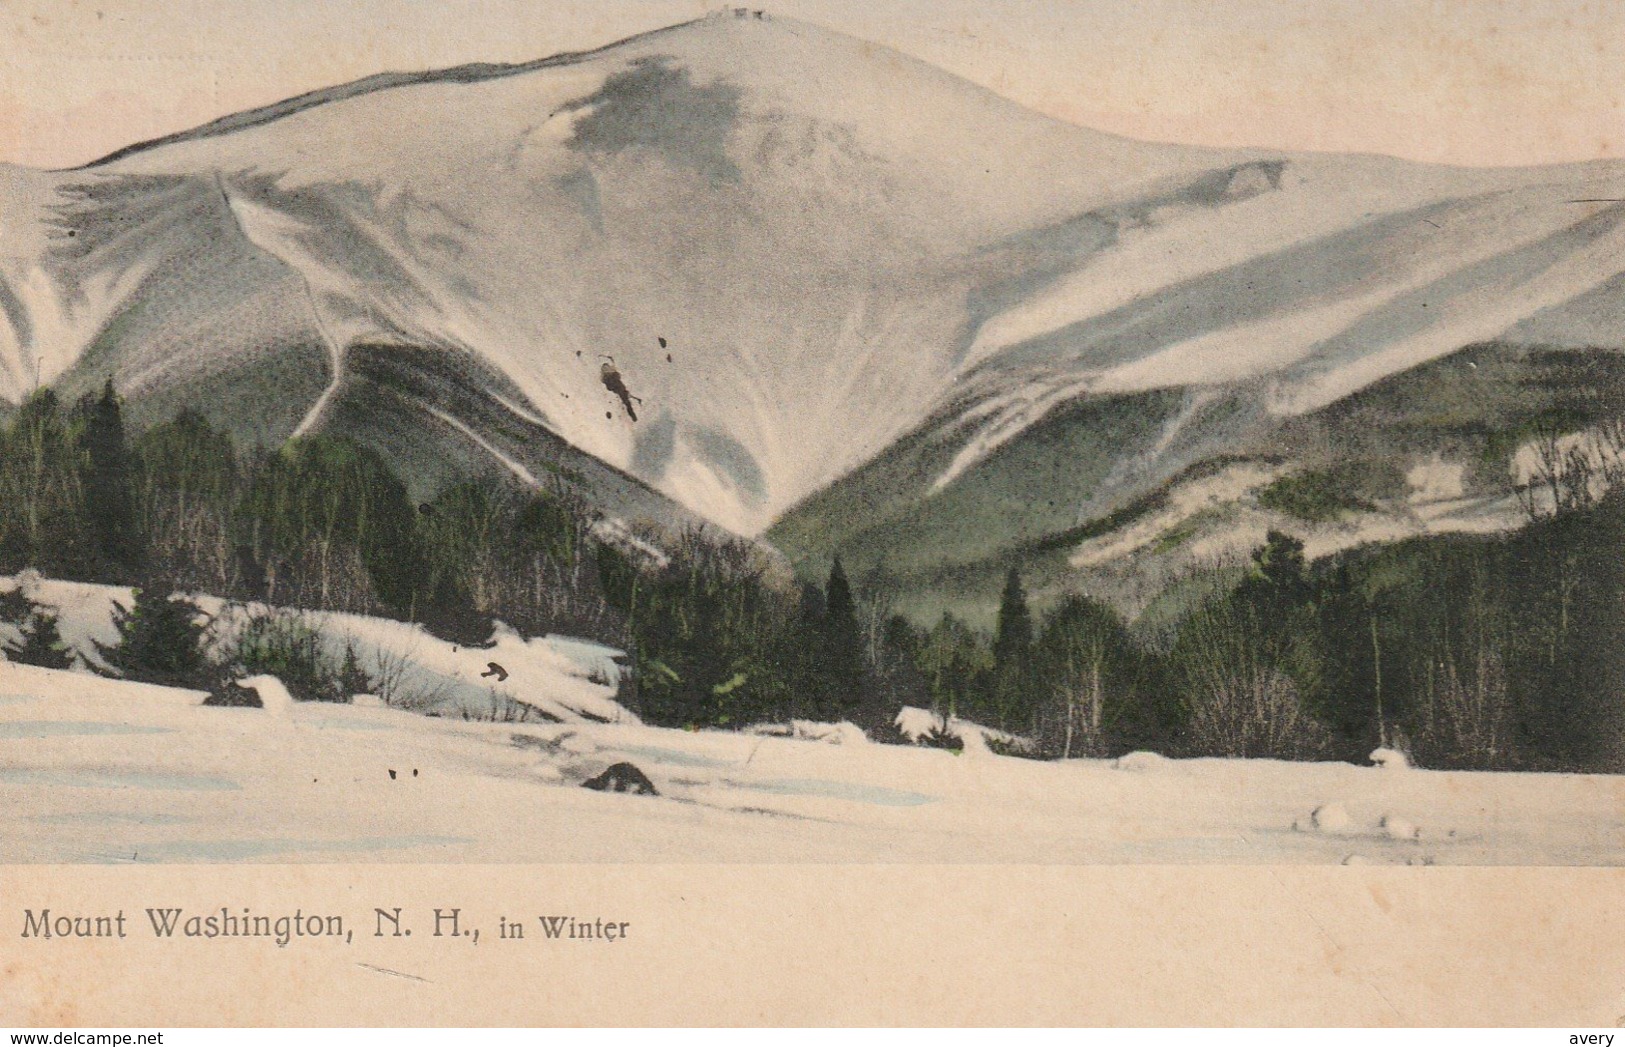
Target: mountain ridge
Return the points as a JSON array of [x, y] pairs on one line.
[[467, 72], [834, 243]]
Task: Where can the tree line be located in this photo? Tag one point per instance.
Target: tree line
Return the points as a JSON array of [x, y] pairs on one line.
[[1496, 652]]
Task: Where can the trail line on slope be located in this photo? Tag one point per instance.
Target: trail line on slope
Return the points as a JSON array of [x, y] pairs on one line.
[[335, 355]]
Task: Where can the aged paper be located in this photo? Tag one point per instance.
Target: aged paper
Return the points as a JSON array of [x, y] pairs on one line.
[[1043, 514]]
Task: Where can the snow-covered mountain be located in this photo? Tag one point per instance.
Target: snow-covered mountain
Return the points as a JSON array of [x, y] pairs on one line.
[[799, 248]]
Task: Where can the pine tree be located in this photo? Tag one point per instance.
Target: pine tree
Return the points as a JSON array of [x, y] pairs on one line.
[[840, 647], [353, 679], [108, 508], [1012, 655], [811, 605], [42, 644], [339, 518], [954, 659], [804, 653], [160, 641], [1279, 569]]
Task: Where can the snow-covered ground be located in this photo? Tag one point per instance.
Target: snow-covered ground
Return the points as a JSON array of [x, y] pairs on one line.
[[100, 770], [554, 677], [95, 770]]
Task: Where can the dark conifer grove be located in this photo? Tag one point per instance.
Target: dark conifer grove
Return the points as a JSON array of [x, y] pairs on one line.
[[1474, 652]]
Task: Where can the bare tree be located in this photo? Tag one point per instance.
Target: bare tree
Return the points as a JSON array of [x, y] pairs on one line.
[[1610, 437], [1080, 693], [1466, 711], [1569, 472], [390, 669], [1238, 703], [877, 597]]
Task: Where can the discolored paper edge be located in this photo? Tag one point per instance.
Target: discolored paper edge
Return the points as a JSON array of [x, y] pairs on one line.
[[813, 945], [816, 945]]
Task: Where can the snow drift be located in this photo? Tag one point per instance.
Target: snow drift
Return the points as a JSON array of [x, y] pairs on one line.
[[552, 678]]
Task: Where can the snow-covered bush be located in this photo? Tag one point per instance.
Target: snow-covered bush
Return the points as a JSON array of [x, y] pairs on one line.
[[1140, 761], [941, 738], [41, 643], [1009, 745], [162, 638], [284, 644]]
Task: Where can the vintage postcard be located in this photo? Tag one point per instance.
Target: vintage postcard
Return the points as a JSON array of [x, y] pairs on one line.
[[698, 496]]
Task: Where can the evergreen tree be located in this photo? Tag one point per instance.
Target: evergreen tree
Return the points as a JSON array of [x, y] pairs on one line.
[[42, 644], [804, 656], [899, 680], [1012, 656], [109, 512], [1354, 635], [811, 606], [957, 667], [285, 645], [337, 520], [1279, 601], [708, 636], [353, 679], [1280, 574], [458, 535], [840, 647], [160, 639]]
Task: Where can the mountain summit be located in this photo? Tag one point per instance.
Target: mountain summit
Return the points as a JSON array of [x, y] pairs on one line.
[[795, 247]]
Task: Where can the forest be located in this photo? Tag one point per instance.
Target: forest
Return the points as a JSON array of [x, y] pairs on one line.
[[1502, 652]]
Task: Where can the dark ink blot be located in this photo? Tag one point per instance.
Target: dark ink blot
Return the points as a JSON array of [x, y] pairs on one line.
[[623, 778], [668, 358], [392, 774], [610, 375], [662, 340]]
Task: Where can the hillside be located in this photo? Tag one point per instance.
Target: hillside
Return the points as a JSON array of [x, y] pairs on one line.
[[806, 255]]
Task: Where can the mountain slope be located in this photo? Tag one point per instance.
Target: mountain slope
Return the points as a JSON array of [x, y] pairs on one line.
[[1129, 495], [799, 248]]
